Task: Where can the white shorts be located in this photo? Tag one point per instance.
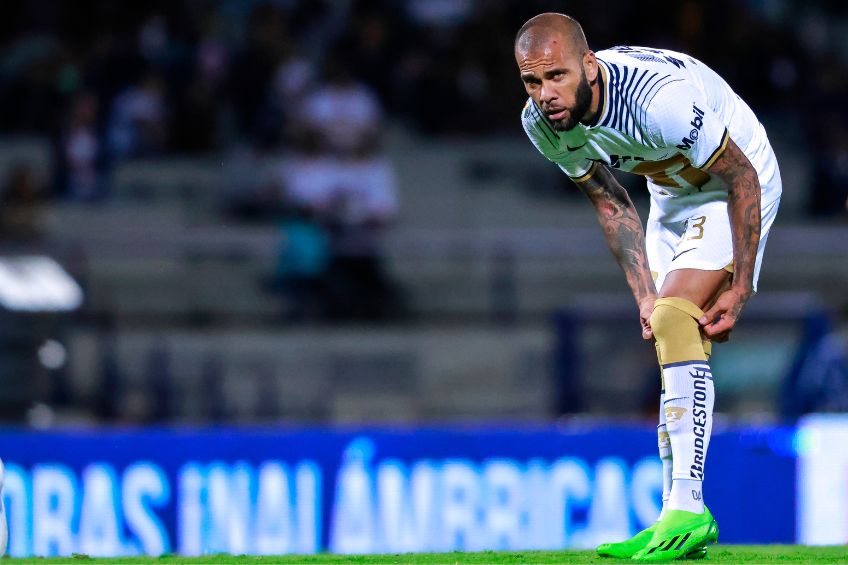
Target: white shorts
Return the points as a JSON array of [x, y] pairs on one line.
[[703, 241]]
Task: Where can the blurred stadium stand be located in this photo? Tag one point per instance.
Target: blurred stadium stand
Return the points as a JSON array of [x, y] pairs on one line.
[[328, 212]]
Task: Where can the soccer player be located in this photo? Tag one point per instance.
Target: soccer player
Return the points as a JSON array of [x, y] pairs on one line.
[[715, 189]]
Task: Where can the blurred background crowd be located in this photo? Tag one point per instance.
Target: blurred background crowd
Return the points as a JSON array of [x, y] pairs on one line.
[[326, 210], [108, 82]]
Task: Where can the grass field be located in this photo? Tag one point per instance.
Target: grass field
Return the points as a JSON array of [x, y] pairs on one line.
[[718, 554]]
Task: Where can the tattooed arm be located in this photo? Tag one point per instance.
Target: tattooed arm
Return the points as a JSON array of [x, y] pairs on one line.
[[625, 237], [743, 207]]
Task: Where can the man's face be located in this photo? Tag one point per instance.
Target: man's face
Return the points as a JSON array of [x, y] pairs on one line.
[[556, 81]]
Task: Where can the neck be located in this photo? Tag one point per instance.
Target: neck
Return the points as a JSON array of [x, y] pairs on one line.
[[596, 99], [591, 116]]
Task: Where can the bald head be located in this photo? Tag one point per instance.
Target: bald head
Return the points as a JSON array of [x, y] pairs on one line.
[[558, 70], [543, 28]]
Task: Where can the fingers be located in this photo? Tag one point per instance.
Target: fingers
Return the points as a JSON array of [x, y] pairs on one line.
[[714, 330], [647, 332], [717, 322], [711, 314]]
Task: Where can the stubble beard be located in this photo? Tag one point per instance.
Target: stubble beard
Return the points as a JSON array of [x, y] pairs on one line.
[[582, 103]]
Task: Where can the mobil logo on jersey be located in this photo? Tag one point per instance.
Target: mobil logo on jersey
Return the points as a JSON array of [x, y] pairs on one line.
[[697, 123]]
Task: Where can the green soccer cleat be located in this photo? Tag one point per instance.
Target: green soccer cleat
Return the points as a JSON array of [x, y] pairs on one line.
[[680, 535], [627, 548]]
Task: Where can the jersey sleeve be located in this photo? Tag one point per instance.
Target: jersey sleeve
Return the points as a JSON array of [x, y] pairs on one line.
[[679, 117], [546, 140]]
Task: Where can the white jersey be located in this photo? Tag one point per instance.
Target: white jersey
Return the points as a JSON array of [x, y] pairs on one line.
[[663, 115]]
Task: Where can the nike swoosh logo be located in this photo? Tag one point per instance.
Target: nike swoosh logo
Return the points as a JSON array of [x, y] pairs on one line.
[[574, 148], [682, 252]]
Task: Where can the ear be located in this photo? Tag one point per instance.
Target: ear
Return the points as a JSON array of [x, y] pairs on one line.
[[590, 66]]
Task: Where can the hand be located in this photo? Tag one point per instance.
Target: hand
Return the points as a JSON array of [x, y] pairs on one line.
[[646, 308], [718, 321]]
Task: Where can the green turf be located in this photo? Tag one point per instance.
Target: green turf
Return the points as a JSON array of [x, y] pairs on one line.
[[718, 554]]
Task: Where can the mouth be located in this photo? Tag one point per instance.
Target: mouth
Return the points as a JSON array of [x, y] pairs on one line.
[[556, 114]]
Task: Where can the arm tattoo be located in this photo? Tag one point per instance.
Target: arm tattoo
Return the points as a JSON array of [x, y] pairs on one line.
[[743, 207], [622, 229]]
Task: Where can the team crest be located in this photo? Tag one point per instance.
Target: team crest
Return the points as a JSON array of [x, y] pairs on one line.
[[674, 414]]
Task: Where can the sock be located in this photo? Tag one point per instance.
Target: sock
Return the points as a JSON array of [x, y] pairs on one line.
[[689, 398], [665, 457]]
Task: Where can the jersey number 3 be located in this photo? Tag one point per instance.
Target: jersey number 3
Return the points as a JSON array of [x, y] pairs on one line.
[[699, 225]]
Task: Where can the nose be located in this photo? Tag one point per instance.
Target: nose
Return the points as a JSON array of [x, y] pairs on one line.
[[547, 93]]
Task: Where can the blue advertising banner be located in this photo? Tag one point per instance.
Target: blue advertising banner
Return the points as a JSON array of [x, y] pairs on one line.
[[281, 490]]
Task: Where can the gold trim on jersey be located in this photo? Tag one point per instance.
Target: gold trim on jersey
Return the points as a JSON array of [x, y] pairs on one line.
[[586, 176], [659, 172], [719, 150]]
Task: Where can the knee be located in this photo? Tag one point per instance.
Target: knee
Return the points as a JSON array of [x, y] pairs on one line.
[[674, 315], [675, 326], [664, 319]]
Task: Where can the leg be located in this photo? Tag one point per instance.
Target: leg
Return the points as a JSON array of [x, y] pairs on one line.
[[693, 281], [662, 242], [686, 525], [684, 283], [689, 391]]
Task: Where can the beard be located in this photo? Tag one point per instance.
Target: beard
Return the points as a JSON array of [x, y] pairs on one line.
[[582, 103]]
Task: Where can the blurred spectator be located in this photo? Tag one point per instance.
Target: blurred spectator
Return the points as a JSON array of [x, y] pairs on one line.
[[309, 177], [331, 263], [367, 194], [137, 119], [345, 112], [305, 182], [21, 205], [364, 203], [213, 54], [292, 78], [302, 268], [81, 160]]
